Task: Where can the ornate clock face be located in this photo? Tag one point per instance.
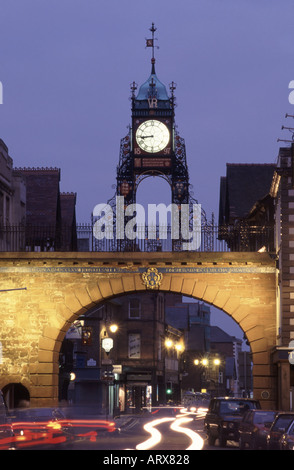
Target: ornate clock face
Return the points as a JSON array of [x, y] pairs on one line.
[[152, 136]]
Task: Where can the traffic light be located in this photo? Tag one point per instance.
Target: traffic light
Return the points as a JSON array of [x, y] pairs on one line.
[[169, 389]]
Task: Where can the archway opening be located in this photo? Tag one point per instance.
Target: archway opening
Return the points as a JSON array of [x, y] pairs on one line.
[[16, 395], [153, 199], [140, 369], [153, 189]]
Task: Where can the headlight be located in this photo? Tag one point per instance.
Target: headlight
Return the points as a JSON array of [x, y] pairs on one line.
[[227, 425]]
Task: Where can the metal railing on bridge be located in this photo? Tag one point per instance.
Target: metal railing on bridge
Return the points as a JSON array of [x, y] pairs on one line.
[[209, 238]]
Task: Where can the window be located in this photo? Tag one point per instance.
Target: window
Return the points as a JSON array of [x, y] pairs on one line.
[[7, 210], [159, 349], [134, 308], [1, 208], [134, 345], [160, 308]]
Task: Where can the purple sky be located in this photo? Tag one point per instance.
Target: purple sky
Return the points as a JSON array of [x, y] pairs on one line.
[[67, 65]]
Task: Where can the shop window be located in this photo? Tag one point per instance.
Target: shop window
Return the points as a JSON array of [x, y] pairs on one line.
[[134, 346]]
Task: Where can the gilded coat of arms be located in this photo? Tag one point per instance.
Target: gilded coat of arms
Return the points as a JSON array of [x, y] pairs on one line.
[[152, 278]]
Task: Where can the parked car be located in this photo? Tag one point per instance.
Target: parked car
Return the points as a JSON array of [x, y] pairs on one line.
[[287, 439], [223, 418], [254, 428], [279, 426]]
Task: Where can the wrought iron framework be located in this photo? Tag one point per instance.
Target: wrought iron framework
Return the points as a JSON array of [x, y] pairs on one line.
[[212, 238]]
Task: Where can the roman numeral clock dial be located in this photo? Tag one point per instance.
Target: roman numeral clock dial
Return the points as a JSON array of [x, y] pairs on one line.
[[152, 136]]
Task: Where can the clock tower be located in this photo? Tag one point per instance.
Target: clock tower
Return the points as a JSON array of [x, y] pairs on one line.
[[153, 147]]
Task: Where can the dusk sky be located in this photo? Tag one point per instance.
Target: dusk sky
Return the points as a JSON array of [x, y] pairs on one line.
[[67, 66]]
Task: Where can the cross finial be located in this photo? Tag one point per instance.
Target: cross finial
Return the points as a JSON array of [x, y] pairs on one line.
[[134, 87]]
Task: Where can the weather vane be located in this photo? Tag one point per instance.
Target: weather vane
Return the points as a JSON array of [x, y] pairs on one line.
[[150, 42]]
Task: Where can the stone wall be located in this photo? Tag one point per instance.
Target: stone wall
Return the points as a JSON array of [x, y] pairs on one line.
[[59, 287]]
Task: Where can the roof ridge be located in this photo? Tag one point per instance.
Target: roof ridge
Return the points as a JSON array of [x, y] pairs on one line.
[[251, 164]]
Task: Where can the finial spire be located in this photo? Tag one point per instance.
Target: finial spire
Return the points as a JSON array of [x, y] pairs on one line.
[[150, 43]]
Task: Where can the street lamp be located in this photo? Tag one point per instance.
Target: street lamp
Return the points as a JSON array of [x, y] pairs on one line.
[[107, 344], [179, 347], [174, 355], [113, 328], [72, 376], [210, 369], [168, 343]]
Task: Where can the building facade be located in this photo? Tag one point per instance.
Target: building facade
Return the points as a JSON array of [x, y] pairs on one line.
[[269, 202], [282, 193], [12, 202], [143, 366]]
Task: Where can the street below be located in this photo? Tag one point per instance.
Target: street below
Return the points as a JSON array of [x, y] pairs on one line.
[[160, 429]]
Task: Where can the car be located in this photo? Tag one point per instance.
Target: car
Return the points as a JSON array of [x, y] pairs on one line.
[[279, 426], [223, 418], [287, 440], [6, 434], [39, 427], [254, 428]]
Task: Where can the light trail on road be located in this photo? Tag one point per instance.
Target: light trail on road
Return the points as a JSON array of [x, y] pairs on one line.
[[197, 441], [156, 436]]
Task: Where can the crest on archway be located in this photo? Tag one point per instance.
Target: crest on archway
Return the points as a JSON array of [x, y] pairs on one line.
[[152, 278]]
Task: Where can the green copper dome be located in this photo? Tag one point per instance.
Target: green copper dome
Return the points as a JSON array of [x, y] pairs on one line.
[[152, 88]]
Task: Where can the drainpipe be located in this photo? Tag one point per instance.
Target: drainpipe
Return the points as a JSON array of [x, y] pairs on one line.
[[278, 307]]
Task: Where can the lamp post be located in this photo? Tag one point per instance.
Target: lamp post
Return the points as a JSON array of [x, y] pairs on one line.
[[175, 348], [107, 346], [217, 363], [208, 364]]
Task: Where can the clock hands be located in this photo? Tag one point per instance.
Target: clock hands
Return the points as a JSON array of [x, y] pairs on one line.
[[155, 142]]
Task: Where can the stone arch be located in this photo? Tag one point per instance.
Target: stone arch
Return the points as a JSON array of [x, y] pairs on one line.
[[59, 287], [249, 307]]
